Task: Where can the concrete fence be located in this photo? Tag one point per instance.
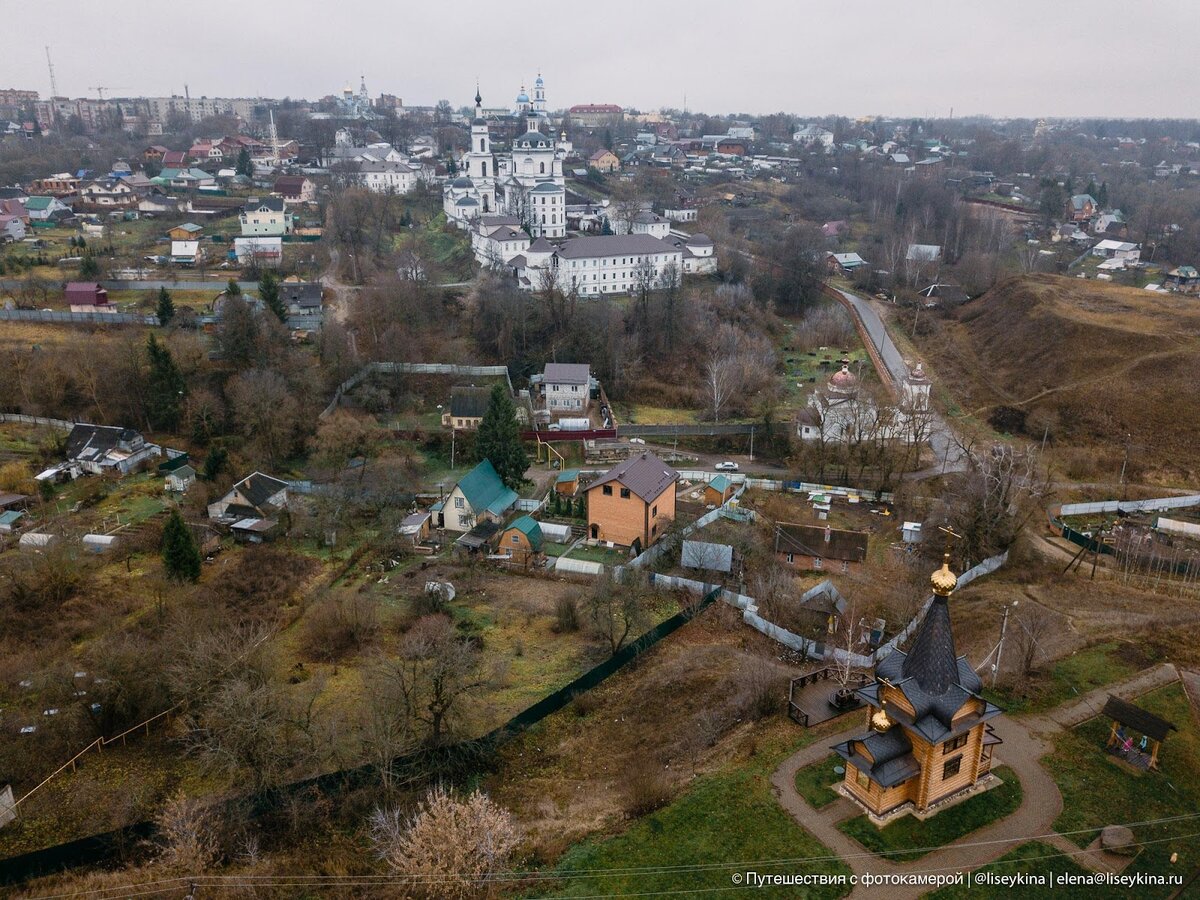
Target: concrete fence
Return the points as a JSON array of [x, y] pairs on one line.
[[816, 649], [1112, 506], [77, 318], [37, 420]]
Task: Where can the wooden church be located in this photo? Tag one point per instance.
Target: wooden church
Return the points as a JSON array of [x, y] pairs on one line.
[[927, 736]]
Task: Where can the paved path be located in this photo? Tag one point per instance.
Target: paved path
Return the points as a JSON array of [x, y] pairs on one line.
[[947, 452], [1025, 743]]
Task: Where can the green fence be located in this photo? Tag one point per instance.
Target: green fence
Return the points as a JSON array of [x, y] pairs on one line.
[[111, 846]]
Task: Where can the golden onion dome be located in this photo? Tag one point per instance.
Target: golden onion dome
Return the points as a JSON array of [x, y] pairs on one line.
[[943, 580], [880, 720]]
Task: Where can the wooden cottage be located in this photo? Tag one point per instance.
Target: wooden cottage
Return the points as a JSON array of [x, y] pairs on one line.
[[521, 540], [927, 735]]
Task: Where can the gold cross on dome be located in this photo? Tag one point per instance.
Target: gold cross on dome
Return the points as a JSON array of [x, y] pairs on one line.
[[951, 535]]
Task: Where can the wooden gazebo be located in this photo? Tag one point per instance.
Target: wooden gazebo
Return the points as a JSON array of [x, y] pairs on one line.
[[1126, 715]]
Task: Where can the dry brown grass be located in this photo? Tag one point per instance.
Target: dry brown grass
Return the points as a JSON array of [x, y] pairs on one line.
[[1087, 361]]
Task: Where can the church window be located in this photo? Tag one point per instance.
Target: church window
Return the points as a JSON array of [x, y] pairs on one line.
[[484, 165], [541, 168], [954, 743], [951, 768], [482, 146], [863, 780]]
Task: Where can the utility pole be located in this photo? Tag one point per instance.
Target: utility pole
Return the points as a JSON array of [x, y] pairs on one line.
[[1124, 463], [1000, 646], [751, 443]]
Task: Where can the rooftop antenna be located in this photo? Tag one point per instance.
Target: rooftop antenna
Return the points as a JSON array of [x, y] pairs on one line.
[[50, 66], [186, 95]]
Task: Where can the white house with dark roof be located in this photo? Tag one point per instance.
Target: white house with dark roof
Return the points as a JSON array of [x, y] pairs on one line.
[[265, 217], [567, 387]]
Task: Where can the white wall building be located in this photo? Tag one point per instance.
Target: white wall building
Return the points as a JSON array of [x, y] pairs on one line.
[[386, 177], [601, 264], [266, 217]]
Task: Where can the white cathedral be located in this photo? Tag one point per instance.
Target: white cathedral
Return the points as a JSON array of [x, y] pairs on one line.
[[527, 183]]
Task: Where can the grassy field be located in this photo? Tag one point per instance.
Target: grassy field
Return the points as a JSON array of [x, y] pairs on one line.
[[1100, 790], [1071, 677], [1038, 861], [1083, 360], [724, 823], [909, 838], [815, 782]]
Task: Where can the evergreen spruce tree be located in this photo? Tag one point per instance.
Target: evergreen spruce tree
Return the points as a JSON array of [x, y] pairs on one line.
[[214, 463], [165, 387], [89, 269], [181, 556], [244, 166], [499, 439], [268, 292], [233, 289], [581, 507], [166, 307]]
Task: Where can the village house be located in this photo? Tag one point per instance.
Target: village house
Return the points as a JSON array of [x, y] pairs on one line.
[[820, 547], [468, 404], [823, 607], [302, 298], [113, 192], [263, 252], [63, 184], [567, 387], [521, 540], [813, 136], [105, 449], [1081, 208], [265, 217], [186, 253], [927, 734], [184, 179], [43, 210], [632, 504], [189, 231], [647, 222], [1184, 279], [1120, 250], [480, 496], [843, 263], [499, 240], [85, 293], [154, 153], [296, 188], [257, 496], [12, 228], [604, 161]]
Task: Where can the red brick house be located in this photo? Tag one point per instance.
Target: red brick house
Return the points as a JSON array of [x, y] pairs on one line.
[[820, 547]]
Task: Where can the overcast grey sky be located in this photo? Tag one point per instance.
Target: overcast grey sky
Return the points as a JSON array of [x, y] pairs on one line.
[[914, 58]]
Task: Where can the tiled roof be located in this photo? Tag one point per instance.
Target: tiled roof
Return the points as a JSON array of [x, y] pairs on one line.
[[645, 475]]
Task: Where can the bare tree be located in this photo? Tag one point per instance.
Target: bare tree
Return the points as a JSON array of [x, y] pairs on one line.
[[433, 673], [614, 609], [449, 848]]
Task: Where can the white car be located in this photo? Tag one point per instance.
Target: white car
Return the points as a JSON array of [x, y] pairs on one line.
[[637, 441], [726, 466]]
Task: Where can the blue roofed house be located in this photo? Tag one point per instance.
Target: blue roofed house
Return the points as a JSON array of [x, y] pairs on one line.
[[480, 496]]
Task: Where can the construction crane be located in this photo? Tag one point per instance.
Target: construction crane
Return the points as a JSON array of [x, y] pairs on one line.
[[99, 89], [50, 65]]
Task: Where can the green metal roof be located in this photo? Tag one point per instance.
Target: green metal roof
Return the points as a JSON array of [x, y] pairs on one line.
[[38, 202], [720, 483], [567, 475], [485, 491], [12, 515], [530, 529]]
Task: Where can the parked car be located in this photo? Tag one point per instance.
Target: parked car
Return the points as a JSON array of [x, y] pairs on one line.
[[726, 466], [637, 441]]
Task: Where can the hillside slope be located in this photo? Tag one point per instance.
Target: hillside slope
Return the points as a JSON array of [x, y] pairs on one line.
[[1093, 362]]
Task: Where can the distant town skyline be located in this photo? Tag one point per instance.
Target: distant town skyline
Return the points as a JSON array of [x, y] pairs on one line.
[[877, 58]]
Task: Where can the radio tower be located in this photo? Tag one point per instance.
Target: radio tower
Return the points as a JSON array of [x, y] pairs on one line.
[[50, 65]]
